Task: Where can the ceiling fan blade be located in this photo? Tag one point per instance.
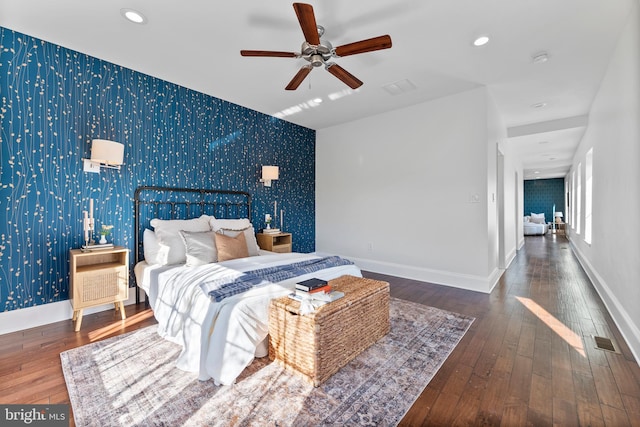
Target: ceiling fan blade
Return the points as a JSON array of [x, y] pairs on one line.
[[268, 53], [347, 78], [298, 78], [369, 45], [307, 22]]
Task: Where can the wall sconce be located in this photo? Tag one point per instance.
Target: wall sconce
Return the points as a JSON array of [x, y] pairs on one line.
[[105, 154], [269, 173]]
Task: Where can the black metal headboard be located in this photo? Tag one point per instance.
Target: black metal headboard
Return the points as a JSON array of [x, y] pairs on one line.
[[184, 203]]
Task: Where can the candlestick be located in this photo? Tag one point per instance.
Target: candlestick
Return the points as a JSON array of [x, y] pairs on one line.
[[275, 210], [90, 208], [281, 218], [85, 227]]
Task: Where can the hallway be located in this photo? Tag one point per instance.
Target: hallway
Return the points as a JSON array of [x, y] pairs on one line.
[[530, 356]]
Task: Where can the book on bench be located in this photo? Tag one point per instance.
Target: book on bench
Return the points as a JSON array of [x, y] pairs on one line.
[[311, 284]]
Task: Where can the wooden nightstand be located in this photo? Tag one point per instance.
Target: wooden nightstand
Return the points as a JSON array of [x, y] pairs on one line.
[[274, 242], [98, 277]]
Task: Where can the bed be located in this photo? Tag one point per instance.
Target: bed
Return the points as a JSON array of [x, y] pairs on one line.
[[535, 225], [215, 307]]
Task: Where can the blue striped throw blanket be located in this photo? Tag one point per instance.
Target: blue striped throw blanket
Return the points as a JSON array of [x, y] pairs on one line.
[[220, 289]]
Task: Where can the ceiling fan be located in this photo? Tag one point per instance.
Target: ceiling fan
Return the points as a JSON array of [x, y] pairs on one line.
[[318, 51]]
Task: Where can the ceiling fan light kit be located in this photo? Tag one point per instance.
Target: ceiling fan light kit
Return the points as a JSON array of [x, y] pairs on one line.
[[318, 52]]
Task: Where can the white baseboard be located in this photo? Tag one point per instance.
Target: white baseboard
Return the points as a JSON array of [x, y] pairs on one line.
[[511, 256], [31, 317], [623, 321], [446, 278]]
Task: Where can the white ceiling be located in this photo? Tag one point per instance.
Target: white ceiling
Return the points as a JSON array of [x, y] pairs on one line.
[[196, 44]]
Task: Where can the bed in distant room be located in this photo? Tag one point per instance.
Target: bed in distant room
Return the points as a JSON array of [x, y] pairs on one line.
[[206, 279], [535, 225]]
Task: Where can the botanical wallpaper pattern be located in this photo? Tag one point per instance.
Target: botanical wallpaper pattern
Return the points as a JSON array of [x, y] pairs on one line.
[[54, 101]]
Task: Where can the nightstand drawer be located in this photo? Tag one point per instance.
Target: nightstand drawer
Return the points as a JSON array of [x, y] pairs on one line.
[[102, 286], [282, 248]]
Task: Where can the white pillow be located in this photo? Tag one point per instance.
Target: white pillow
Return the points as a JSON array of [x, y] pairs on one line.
[[150, 246], [172, 249], [200, 247], [232, 227], [537, 218], [527, 218]]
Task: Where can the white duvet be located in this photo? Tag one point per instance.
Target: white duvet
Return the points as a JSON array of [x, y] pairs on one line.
[[220, 339]]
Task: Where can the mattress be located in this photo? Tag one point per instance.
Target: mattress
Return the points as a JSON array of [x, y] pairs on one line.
[[533, 229]]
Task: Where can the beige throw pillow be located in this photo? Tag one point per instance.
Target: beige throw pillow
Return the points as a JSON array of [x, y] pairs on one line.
[[231, 247]]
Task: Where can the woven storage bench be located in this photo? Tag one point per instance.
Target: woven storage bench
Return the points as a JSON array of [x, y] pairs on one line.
[[317, 345]]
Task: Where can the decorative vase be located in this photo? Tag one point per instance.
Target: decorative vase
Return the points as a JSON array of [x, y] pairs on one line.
[[103, 239]]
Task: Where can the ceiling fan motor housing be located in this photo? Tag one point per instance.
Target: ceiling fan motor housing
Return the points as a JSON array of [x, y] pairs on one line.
[[316, 55]]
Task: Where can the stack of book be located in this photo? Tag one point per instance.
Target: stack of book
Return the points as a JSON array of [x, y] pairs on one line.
[[315, 289], [271, 230]]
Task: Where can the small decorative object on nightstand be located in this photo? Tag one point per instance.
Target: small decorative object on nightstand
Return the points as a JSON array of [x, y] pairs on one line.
[[104, 232], [275, 242], [98, 276]]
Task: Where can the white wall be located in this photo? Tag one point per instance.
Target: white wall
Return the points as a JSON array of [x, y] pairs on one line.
[[507, 231], [613, 258], [407, 192], [512, 191]]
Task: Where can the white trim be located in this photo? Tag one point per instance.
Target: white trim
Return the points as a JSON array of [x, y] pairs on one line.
[[39, 315], [438, 277], [628, 329], [510, 257]]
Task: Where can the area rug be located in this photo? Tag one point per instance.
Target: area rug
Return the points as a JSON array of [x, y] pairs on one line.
[[130, 380]]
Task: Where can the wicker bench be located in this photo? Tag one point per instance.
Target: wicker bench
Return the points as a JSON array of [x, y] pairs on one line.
[[319, 344]]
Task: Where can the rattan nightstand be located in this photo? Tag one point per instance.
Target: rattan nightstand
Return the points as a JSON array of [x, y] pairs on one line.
[[98, 277]]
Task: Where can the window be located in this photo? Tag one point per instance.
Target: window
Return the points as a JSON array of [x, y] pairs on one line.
[[578, 197], [573, 199], [588, 194]]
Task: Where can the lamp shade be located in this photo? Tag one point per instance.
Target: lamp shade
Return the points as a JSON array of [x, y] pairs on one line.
[[107, 152], [558, 214], [270, 172]]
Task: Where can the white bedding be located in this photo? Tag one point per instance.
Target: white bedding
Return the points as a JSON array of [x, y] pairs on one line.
[[220, 339], [532, 229]]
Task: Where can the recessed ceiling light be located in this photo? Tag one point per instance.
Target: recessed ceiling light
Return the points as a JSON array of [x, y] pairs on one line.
[[481, 41], [539, 105], [317, 100], [540, 57], [133, 16], [536, 172]]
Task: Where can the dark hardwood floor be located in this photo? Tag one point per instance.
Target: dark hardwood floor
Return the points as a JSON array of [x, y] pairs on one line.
[[528, 359]]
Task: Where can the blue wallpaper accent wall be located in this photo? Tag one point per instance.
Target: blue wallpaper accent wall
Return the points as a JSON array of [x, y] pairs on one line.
[[541, 194], [54, 101]]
